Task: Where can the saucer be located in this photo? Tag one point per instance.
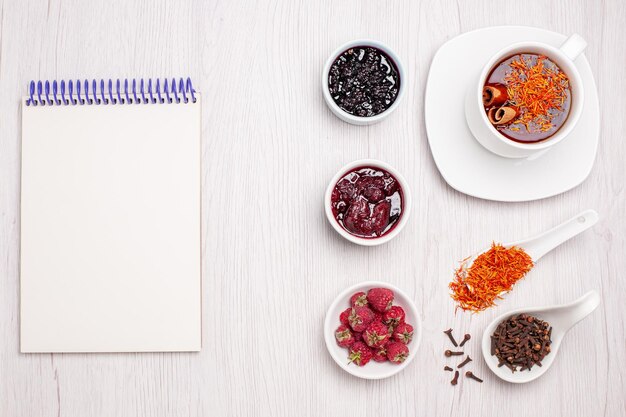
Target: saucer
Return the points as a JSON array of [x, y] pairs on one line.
[[463, 162]]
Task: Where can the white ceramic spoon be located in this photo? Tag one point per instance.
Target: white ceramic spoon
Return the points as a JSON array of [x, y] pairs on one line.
[[543, 243], [539, 245], [561, 318]]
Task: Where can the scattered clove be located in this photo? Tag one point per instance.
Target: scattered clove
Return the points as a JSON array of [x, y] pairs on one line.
[[465, 362], [465, 339], [456, 378], [448, 353], [449, 333], [521, 341], [469, 374]]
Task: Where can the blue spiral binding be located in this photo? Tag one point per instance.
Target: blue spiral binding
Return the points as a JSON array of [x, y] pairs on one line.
[[64, 93]]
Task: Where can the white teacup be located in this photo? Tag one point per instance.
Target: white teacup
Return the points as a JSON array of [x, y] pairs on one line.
[[486, 133]]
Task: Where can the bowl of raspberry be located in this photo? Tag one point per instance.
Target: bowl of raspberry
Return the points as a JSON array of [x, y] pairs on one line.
[[368, 202], [372, 330]]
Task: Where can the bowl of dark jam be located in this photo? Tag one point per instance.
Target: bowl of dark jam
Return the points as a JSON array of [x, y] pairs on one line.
[[368, 202], [363, 81]]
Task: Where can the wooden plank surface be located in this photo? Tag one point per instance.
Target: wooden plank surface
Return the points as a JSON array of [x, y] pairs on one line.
[[272, 264]]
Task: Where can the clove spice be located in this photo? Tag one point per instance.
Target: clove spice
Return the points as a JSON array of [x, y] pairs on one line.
[[465, 362], [456, 378], [449, 333], [471, 375], [521, 341], [448, 353]]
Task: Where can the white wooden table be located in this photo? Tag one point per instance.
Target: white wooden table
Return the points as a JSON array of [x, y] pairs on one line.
[[272, 264]]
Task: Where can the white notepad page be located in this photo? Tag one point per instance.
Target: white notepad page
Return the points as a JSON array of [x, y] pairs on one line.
[[110, 228]]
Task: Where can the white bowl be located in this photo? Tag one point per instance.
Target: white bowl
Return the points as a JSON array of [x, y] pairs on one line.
[[372, 370], [406, 202], [347, 117]]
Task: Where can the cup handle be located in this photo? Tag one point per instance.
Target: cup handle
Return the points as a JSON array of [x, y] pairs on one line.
[[573, 46]]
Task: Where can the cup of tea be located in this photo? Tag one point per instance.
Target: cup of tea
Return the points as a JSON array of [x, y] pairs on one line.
[[528, 98]]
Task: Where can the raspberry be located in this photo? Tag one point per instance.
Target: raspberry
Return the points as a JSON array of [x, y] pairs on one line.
[[359, 299], [378, 316], [393, 316], [360, 353], [360, 318], [344, 336], [380, 354], [380, 299], [376, 334], [343, 317], [396, 352], [403, 333], [358, 336]]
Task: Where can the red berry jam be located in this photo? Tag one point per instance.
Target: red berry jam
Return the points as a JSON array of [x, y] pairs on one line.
[[367, 202]]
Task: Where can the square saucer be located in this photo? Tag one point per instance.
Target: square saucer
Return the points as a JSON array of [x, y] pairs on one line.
[[463, 162]]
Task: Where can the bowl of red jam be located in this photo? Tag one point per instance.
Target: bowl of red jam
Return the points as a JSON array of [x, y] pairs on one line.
[[368, 202], [363, 81]]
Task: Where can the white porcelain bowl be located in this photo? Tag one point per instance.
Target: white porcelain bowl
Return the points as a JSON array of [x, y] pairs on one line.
[[347, 117], [372, 370], [406, 202]]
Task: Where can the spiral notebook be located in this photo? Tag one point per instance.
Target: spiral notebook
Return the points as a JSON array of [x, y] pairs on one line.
[[110, 217]]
